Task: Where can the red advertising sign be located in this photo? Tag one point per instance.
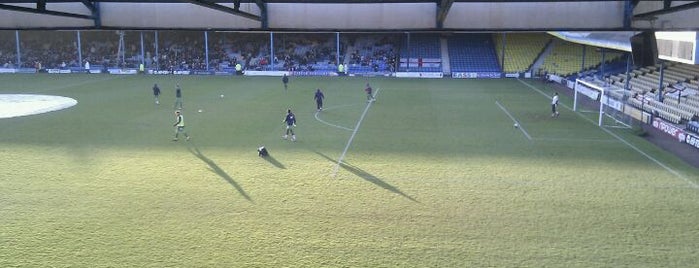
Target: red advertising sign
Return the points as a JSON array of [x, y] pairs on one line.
[[670, 129]]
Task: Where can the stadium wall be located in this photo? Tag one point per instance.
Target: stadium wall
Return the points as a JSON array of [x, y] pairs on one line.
[[536, 15], [353, 16], [336, 16], [11, 19], [685, 19], [477, 16], [174, 16]]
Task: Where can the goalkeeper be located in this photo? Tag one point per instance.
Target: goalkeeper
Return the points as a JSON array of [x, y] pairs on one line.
[[554, 105]]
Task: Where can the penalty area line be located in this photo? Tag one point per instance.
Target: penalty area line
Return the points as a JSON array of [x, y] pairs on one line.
[[521, 128], [574, 139], [354, 132], [622, 140]]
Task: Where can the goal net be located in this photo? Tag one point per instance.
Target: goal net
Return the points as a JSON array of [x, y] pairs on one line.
[[607, 103]]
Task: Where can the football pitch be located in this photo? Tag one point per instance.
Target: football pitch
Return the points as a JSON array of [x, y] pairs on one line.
[[432, 174]]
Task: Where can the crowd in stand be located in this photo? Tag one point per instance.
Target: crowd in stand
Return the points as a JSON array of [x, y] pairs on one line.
[[181, 51], [99, 48], [8, 54], [251, 51], [185, 50], [304, 52], [39, 53], [376, 52]]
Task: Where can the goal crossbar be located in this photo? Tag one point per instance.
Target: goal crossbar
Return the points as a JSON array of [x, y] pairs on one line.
[[611, 102], [593, 92]]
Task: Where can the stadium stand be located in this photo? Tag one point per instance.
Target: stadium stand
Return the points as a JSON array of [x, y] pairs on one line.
[[371, 53], [8, 51], [47, 49], [566, 58], [251, 50], [614, 66], [521, 49], [693, 126], [423, 53], [180, 50], [472, 53], [304, 52], [680, 99]]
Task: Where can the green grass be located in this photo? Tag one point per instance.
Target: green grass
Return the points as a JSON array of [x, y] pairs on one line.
[[436, 176]]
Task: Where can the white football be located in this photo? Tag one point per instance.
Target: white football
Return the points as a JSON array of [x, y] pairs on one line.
[[200, 110], [516, 125], [222, 96]]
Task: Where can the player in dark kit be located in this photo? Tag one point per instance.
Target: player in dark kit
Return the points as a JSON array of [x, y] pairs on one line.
[[178, 97], [290, 121], [319, 99], [368, 90], [156, 93], [285, 80]]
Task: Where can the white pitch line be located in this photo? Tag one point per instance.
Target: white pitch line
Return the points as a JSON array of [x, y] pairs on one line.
[[691, 183], [521, 128], [356, 128], [331, 124], [573, 139]]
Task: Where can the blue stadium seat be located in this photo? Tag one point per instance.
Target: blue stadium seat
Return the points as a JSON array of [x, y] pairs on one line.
[[424, 46], [472, 53]]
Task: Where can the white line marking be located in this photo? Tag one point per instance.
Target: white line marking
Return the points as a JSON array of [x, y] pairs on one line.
[[572, 139], [356, 128], [521, 128], [692, 183], [330, 124], [624, 127]]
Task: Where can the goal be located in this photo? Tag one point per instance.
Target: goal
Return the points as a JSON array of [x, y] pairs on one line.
[[607, 102]]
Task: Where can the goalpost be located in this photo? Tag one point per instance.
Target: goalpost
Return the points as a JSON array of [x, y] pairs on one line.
[[609, 103]]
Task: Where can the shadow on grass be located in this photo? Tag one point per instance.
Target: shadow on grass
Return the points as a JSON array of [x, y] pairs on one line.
[[274, 161], [368, 177], [220, 172]]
